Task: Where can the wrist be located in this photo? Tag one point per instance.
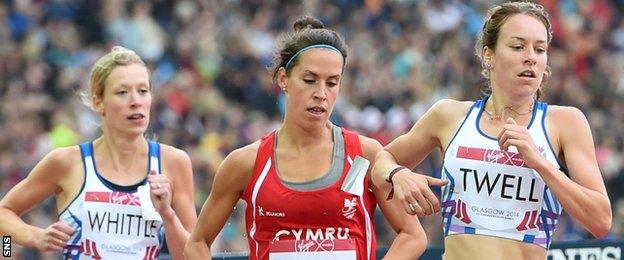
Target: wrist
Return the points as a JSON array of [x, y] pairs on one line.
[[541, 166], [168, 215], [33, 235], [393, 172]]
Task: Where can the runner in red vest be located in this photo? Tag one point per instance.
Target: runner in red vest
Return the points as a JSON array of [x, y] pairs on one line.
[[306, 185]]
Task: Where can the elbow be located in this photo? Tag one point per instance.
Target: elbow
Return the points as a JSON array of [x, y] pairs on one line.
[[188, 251], [408, 246], [601, 228], [600, 233], [196, 248], [600, 224], [421, 245], [188, 246], [418, 244]]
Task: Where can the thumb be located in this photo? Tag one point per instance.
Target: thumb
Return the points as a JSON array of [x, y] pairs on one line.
[[435, 181], [152, 175], [511, 121]]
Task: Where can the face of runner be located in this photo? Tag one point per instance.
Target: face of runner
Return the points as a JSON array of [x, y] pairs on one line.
[[125, 104], [313, 85], [519, 61]]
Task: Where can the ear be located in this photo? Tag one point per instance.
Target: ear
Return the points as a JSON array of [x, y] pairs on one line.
[[282, 79], [488, 56], [98, 105]]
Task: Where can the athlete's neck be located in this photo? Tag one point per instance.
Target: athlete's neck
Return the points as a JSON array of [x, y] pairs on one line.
[[301, 138], [122, 152], [501, 107]]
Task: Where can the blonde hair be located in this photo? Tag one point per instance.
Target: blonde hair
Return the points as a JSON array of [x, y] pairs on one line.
[[118, 56]]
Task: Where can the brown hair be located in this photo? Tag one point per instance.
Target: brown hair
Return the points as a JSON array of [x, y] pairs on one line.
[[118, 56], [307, 31], [496, 17]]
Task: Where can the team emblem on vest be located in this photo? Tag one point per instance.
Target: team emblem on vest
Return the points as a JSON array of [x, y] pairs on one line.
[[348, 210]]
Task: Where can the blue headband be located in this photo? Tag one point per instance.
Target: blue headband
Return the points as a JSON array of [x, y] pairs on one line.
[[315, 46]]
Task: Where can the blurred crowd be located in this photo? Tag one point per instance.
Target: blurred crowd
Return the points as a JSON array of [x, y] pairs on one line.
[[213, 93]]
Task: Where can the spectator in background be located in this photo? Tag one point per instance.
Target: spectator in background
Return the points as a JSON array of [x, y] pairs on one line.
[[100, 211], [512, 161]]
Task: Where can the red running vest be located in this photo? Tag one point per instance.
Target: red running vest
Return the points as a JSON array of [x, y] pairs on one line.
[[276, 212]]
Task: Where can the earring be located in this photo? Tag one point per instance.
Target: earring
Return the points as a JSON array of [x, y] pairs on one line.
[[488, 66]]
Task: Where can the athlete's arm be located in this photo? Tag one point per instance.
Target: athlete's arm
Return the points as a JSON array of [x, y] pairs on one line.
[[432, 130], [179, 215], [229, 183], [42, 182], [584, 191], [411, 240]]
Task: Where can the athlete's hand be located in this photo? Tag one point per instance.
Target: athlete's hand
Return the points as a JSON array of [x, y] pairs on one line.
[[413, 190], [518, 136], [160, 191], [54, 237]]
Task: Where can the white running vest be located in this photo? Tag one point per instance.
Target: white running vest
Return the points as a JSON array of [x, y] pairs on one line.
[[107, 217], [492, 192]]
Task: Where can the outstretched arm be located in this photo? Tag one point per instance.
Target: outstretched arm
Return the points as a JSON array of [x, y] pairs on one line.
[[433, 130]]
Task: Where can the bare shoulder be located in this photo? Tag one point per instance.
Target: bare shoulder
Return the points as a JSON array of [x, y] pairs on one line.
[[176, 165], [565, 114], [443, 119], [450, 103], [370, 147], [61, 160], [173, 155], [446, 113], [62, 154], [236, 170], [450, 108], [61, 165], [567, 124], [243, 158]]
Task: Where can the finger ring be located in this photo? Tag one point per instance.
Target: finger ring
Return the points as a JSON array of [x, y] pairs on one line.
[[413, 206]]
